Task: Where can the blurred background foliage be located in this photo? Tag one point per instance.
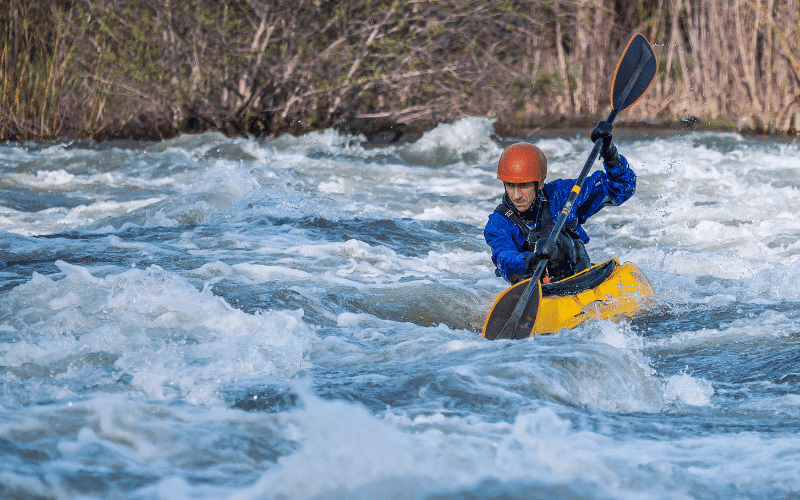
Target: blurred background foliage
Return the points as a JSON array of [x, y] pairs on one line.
[[106, 69]]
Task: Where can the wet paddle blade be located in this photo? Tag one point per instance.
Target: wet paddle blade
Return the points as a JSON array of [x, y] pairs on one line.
[[504, 306], [635, 72]]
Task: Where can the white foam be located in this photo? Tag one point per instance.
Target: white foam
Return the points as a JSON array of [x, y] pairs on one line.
[[346, 452], [467, 139], [171, 339], [269, 273], [690, 390]]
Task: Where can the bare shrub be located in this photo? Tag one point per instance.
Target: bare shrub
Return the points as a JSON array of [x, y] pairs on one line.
[[151, 69]]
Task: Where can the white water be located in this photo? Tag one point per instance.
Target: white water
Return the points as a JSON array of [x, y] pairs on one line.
[[210, 317]]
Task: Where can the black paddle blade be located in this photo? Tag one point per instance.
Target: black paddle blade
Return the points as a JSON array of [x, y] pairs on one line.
[[504, 306], [635, 72]]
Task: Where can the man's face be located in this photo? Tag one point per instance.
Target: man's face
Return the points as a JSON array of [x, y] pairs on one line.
[[522, 195]]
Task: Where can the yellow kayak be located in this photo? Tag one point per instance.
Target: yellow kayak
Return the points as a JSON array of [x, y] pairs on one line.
[[604, 291]]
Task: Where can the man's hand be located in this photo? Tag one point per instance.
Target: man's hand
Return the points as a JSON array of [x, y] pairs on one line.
[[542, 251], [607, 151]]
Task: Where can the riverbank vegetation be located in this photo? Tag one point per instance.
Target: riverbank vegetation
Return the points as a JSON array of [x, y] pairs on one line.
[[107, 69]]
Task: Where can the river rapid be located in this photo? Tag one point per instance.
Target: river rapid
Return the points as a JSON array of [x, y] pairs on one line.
[[236, 318]]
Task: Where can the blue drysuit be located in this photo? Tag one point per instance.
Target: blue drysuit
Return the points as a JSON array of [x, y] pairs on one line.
[[613, 186]]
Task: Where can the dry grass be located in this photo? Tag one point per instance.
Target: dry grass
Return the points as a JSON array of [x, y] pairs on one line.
[[145, 68]]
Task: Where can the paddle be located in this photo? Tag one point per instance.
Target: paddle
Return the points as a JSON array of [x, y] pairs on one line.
[[634, 74]]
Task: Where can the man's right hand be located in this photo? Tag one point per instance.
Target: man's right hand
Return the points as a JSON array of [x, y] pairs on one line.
[[542, 251]]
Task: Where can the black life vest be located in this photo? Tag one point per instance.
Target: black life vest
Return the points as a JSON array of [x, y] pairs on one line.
[[537, 224]]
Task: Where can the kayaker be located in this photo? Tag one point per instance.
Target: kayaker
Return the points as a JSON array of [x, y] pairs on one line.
[[520, 225]]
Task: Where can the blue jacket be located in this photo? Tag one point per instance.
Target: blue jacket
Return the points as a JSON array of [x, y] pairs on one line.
[[613, 186]]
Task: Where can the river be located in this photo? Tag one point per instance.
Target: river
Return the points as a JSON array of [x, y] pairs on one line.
[[299, 318]]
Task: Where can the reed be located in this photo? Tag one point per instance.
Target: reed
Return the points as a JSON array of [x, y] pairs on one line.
[[31, 81], [150, 69]]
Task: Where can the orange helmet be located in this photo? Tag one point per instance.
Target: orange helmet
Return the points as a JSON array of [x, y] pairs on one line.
[[522, 162]]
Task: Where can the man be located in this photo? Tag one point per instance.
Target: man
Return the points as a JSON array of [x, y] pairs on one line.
[[518, 228]]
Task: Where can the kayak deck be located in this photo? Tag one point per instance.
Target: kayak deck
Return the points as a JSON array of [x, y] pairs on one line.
[[604, 291]]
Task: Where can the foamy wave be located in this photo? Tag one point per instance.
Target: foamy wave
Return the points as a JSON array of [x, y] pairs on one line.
[[468, 140], [690, 390], [169, 339]]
